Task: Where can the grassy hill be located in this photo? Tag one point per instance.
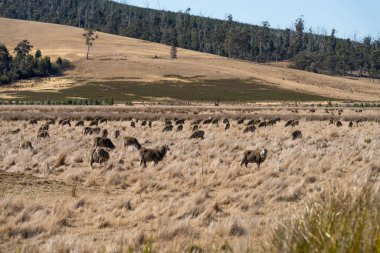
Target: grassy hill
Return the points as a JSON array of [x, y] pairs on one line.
[[131, 69]]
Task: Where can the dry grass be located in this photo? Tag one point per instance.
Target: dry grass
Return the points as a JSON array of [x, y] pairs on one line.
[[120, 58], [198, 197]]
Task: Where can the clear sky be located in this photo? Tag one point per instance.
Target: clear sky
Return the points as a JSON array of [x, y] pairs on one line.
[[348, 17]]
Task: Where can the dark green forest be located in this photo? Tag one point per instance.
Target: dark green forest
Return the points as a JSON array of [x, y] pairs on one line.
[[24, 65], [325, 54]]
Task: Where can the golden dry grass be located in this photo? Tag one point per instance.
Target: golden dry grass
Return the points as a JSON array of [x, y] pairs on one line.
[[122, 58], [197, 196]]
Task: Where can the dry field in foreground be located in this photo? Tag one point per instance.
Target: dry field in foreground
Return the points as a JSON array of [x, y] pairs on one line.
[[116, 58], [197, 196]]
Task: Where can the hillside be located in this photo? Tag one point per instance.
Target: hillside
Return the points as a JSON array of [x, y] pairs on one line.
[[126, 60]]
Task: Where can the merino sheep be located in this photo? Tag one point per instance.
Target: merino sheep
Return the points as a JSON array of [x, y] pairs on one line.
[[227, 126], [179, 128], [95, 130], [153, 155], [143, 123], [351, 124], [98, 155], [195, 128], [150, 124], [241, 120], [257, 156], [196, 122], [50, 121], [104, 133], [251, 122], [103, 142], [168, 122], [44, 127], [26, 145], [168, 128], [79, 123], [215, 122], [225, 120], [93, 123], [262, 124], [102, 120], [199, 134], [207, 121], [180, 122], [338, 124], [116, 133], [65, 122], [133, 124], [87, 130], [296, 134], [33, 121], [249, 129], [43, 134]]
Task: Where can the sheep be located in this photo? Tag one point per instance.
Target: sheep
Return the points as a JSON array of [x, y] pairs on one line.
[[104, 133], [199, 134], [263, 124], [43, 134], [131, 141], [338, 124], [249, 129], [292, 123], [33, 121], [95, 130], [103, 142], [65, 122], [168, 128], [312, 110], [79, 123], [227, 126], [98, 155], [296, 134], [351, 124], [168, 122], [152, 155], [207, 121], [179, 128], [257, 156], [241, 120], [116, 134], [87, 130], [143, 123], [215, 122], [150, 124], [44, 127], [251, 122], [26, 145], [102, 120], [133, 124], [50, 121], [195, 128], [93, 123], [180, 122], [196, 122], [289, 122], [225, 120]]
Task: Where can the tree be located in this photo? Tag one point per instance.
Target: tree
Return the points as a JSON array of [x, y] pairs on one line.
[[23, 48], [38, 54], [5, 60], [90, 38], [173, 52]]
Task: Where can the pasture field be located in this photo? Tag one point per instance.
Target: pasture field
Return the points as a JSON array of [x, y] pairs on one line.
[[197, 199]]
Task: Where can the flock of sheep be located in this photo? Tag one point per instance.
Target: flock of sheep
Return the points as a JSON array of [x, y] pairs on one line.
[[102, 144]]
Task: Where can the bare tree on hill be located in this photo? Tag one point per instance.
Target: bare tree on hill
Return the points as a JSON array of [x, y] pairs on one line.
[[90, 38]]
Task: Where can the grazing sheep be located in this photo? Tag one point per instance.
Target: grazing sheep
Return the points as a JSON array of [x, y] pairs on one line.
[[143, 123], [297, 134], [98, 155], [95, 130], [180, 122], [26, 145], [312, 110], [93, 123], [195, 128], [241, 120], [65, 122], [33, 121], [116, 134], [263, 124], [79, 123], [50, 121], [133, 124], [168, 122], [358, 121], [292, 123], [131, 141], [44, 127], [251, 122], [289, 122], [196, 122], [338, 124], [104, 133], [295, 123], [199, 134], [150, 124], [153, 155], [257, 156], [87, 130], [168, 128], [179, 128], [225, 120], [351, 124], [103, 142], [249, 129], [215, 122], [207, 121], [101, 120], [227, 126], [43, 134]]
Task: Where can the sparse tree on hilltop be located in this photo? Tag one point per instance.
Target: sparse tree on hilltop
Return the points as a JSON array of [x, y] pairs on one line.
[[173, 52], [23, 48], [90, 37]]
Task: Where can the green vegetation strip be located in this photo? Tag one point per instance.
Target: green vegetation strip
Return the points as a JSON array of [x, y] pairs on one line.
[[229, 90]]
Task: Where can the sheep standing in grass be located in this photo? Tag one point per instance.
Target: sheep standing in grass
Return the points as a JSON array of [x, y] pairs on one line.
[[131, 141], [250, 128], [153, 155], [26, 145], [199, 134], [257, 156], [195, 128], [168, 128], [179, 128], [99, 155], [117, 133], [79, 123], [133, 124], [297, 134], [43, 134], [227, 126]]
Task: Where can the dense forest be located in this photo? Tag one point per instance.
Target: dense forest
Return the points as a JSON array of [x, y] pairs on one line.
[[317, 53], [24, 65]]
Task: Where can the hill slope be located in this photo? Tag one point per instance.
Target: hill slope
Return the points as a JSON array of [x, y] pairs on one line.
[[131, 60]]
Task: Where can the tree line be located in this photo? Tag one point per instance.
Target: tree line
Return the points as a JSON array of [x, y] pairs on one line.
[[308, 51], [25, 65]]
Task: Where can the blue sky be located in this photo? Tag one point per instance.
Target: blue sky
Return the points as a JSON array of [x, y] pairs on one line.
[[348, 17]]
